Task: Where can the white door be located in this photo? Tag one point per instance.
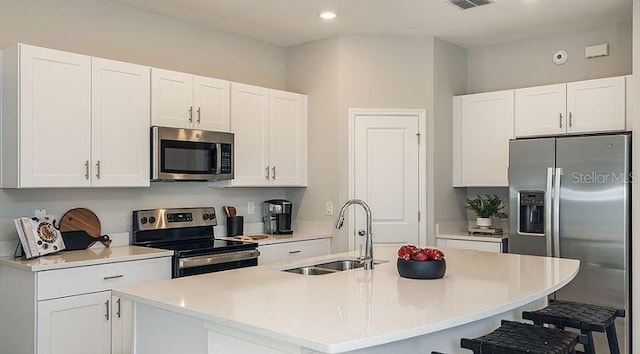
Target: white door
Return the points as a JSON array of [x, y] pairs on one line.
[[55, 118], [171, 98], [249, 123], [287, 138], [541, 110], [75, 325], [386, 177], [120, 124], [596, 105], [121, 326], [211, 103]]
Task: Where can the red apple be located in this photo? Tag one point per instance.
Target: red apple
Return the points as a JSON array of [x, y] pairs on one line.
[[405, 252], [420, 255]]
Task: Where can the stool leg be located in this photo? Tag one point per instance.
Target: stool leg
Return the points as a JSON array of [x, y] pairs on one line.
[[590, 347], [613, 339]]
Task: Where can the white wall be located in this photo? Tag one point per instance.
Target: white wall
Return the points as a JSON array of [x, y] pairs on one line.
[[111, 30], [529, 62]]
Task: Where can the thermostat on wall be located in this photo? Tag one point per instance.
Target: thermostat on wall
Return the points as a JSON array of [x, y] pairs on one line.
[[560, 57]]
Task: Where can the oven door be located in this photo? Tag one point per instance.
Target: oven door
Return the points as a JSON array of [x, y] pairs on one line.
[[214, 262]]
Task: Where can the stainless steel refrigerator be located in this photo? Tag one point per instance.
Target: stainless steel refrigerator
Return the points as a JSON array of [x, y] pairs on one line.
[[570, 197]]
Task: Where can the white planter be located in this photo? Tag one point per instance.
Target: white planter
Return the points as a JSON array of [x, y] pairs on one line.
[[484, 223]]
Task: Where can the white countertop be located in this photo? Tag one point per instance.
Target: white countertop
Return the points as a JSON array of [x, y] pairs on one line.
[[357, 309], [79, 258], [272, 239], [466, 237]]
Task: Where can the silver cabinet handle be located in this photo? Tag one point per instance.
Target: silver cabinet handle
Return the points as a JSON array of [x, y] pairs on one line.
[[560, 120], [273, 170], [191, 114], [106, 313], [361, 232], [119, 312], [570, 119], [107, 277], [98, 170], [198, 115], [266, 176], [294, 252], [86, 169]]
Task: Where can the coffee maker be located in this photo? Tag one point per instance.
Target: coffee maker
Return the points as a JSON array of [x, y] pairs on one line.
[[276, 215]]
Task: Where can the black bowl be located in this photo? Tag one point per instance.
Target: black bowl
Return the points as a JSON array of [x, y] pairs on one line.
[[421, 269]]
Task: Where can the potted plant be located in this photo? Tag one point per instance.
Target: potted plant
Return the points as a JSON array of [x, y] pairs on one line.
[[485, 207]]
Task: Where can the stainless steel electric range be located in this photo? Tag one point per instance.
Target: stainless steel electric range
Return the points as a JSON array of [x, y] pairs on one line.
[[189, 233]]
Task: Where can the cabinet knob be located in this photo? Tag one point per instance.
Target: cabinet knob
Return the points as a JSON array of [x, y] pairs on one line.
[[198, 115], [560, 120], [191, 114], [86, 169], [98, 170], [273, 172], [106, 313], [570, 119], [266, 175]]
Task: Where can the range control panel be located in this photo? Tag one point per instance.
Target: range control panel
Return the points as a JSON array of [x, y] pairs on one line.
[[157, 219]]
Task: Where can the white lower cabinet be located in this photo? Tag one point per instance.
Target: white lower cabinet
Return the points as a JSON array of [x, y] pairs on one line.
[[71, 310], [75, 324], [290, 251], [497, 245]]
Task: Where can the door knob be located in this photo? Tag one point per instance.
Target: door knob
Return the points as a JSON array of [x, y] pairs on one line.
[[361, 232]]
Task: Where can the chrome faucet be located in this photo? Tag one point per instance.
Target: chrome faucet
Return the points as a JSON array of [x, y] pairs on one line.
[[368, 253]]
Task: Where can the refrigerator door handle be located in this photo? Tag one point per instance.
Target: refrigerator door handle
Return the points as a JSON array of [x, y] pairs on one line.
[[556, 213], [547, 211]]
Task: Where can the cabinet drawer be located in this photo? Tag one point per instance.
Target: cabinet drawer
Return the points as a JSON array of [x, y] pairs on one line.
[[81, 280], [475, 245], [290, 251]]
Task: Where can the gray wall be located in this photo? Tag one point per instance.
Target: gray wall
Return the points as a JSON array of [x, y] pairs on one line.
[[529, 62], [450, 75], [115, 31], [111, 30]]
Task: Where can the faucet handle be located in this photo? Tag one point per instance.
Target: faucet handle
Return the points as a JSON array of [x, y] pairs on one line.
[[361, 232]]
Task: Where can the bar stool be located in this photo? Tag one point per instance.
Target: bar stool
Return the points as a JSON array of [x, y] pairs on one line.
[[517, 337], [585, 317]]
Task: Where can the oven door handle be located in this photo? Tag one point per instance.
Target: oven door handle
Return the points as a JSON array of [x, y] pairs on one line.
[[200, 261]]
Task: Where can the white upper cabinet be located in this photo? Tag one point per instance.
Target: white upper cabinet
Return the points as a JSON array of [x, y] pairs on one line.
[[541, 110], [183, 100], [482, 127], [66, 125], [287, 138], [270, 129], [120, 124], [46, 125], [577, 107], [596, 105]]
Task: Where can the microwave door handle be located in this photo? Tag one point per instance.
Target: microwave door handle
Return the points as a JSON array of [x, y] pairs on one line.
[[218, 158]]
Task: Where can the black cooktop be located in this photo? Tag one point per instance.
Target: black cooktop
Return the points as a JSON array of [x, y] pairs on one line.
[[203, 246]]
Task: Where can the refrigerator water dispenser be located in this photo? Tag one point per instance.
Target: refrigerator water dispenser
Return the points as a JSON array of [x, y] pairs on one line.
[[531, 218]]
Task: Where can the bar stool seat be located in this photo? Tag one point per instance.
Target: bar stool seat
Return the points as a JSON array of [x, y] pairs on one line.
[[517, 337], [584, 317]]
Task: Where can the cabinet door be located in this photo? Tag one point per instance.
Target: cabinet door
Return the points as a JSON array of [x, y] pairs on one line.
[[55, 118], [249, 123], [171, 99], [120, 124], [287, 138], [596, 105], [289, 251], [211, 103], [75, 325], [541, 110], [483, 125], [121, 326]]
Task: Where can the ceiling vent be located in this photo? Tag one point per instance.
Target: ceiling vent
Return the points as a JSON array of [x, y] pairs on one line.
[[468, 4]]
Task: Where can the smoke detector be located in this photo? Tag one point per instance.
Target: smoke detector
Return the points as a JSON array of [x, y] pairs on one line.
[[469, 4]]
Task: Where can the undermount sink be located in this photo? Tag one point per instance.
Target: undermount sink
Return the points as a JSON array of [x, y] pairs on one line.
[[330, 267]]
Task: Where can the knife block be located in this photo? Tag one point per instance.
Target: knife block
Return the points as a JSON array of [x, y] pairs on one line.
[[235, 225]]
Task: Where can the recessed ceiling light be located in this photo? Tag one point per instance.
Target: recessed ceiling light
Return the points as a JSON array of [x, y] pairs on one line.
[[328, 15]]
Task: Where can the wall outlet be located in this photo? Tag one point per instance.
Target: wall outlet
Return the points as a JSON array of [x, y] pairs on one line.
[[251, 208], [39, 213], [328, 208]]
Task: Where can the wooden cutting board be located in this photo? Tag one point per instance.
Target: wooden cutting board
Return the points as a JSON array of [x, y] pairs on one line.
[[81, 219], [85, 220]]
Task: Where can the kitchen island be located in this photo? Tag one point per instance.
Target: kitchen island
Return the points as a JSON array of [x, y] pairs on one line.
[[266, 310]]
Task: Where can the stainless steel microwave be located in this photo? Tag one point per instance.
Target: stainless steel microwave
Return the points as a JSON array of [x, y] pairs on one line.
[[191, 155]]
